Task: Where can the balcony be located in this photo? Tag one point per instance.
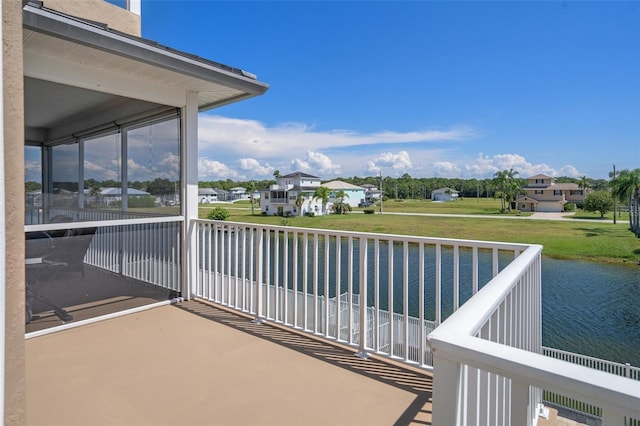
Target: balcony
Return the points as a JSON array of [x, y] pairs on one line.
[[287, 320], [193, 363]]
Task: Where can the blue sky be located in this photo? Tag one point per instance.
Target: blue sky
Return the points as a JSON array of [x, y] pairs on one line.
[[450, 89]]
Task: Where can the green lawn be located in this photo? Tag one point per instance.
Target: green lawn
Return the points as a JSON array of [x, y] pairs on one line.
[[461, 206], [601, 242]]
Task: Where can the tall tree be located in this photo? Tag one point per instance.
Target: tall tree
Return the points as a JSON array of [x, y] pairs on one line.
[[322, 194], [251, 187], [507, 187], [626, 187], [598, 201], [341, 195], [299, 202]]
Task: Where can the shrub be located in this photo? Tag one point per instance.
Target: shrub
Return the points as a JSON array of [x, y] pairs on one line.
[[369, 211], [598, 201], [218, 213], [145, 201], [309, 214]]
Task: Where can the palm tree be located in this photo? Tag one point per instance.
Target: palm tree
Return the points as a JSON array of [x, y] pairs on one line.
[[300, 202], [276, 174], [500, 182], [627, 186], [583, 184], [252, 189], [322, 193], [507, 186], [341, 195]]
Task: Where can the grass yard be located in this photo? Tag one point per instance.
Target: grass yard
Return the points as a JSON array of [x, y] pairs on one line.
[[489, 206], [592, 241]]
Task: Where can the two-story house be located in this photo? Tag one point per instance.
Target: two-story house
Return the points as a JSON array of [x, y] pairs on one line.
[[282, 198], [372, 194], [543, 194], [354, 194]]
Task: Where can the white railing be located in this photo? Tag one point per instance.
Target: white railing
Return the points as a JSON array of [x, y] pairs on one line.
[[413, 280], [611, 367], [34, 216], [617, 368], [149, 252], [488, 361]]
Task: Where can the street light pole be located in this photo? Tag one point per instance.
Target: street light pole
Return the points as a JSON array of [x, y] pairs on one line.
[[614, 195], [381, 193]]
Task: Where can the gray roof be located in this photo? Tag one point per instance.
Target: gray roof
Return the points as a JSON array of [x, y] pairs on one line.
[[299, 174], [445, 190], [206, 191], [118, 191], [338, 184]]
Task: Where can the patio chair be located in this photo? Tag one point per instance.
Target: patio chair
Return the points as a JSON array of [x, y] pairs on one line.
[[47, 257]]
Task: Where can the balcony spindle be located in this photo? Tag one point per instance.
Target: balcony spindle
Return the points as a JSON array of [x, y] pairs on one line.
[[259, 247], [327, 242], [405, 298], [362, 350]]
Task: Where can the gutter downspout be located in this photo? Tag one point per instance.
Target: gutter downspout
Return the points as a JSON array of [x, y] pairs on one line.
[[3, 236]]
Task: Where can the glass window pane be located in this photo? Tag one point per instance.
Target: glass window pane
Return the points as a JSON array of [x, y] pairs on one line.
[[33, 184], [102, 173], [64, 176], [153, 163]]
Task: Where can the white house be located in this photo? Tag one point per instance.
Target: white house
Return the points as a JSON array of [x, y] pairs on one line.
[[354, 194], [207, 195], [444, 194], [372, 194], [237, 193], [292, 195]]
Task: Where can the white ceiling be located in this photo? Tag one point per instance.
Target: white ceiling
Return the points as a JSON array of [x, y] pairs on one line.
[[78, 76]]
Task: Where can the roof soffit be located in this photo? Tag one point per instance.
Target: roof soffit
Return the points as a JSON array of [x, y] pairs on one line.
[[52, 38]]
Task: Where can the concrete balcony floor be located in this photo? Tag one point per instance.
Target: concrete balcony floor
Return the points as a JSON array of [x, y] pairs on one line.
[[196, 364]]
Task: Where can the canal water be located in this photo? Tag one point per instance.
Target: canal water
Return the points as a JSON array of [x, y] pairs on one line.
[[592, 309], [588, 308]]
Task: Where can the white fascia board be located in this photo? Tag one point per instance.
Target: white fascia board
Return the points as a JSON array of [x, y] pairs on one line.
[[48, 68], [143, 51]]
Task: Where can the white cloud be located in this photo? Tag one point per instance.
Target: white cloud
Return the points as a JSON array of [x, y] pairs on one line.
[[316, 162], [240, 136], [253, 167], [446, 169], [101, 172], [214, 170], [484, 166], [390, 163], [571, 171], [331, 153]]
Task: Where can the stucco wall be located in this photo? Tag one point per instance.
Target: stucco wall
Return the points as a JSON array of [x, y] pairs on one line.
[[13, 193], [99, 10]]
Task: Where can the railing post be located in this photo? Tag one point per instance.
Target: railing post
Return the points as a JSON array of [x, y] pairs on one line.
[[362, 349], [258, 278], [520, 410], [613, 418], [446, 380]]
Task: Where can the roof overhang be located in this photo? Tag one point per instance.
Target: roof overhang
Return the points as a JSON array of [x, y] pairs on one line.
[[108, 70]]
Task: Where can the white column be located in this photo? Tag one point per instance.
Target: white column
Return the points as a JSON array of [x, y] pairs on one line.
[[520, 412], [446, 378], [3, 236], [189, 190], [613, 418]]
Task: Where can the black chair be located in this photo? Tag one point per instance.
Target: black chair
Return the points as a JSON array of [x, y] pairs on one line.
[[49, 254]]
